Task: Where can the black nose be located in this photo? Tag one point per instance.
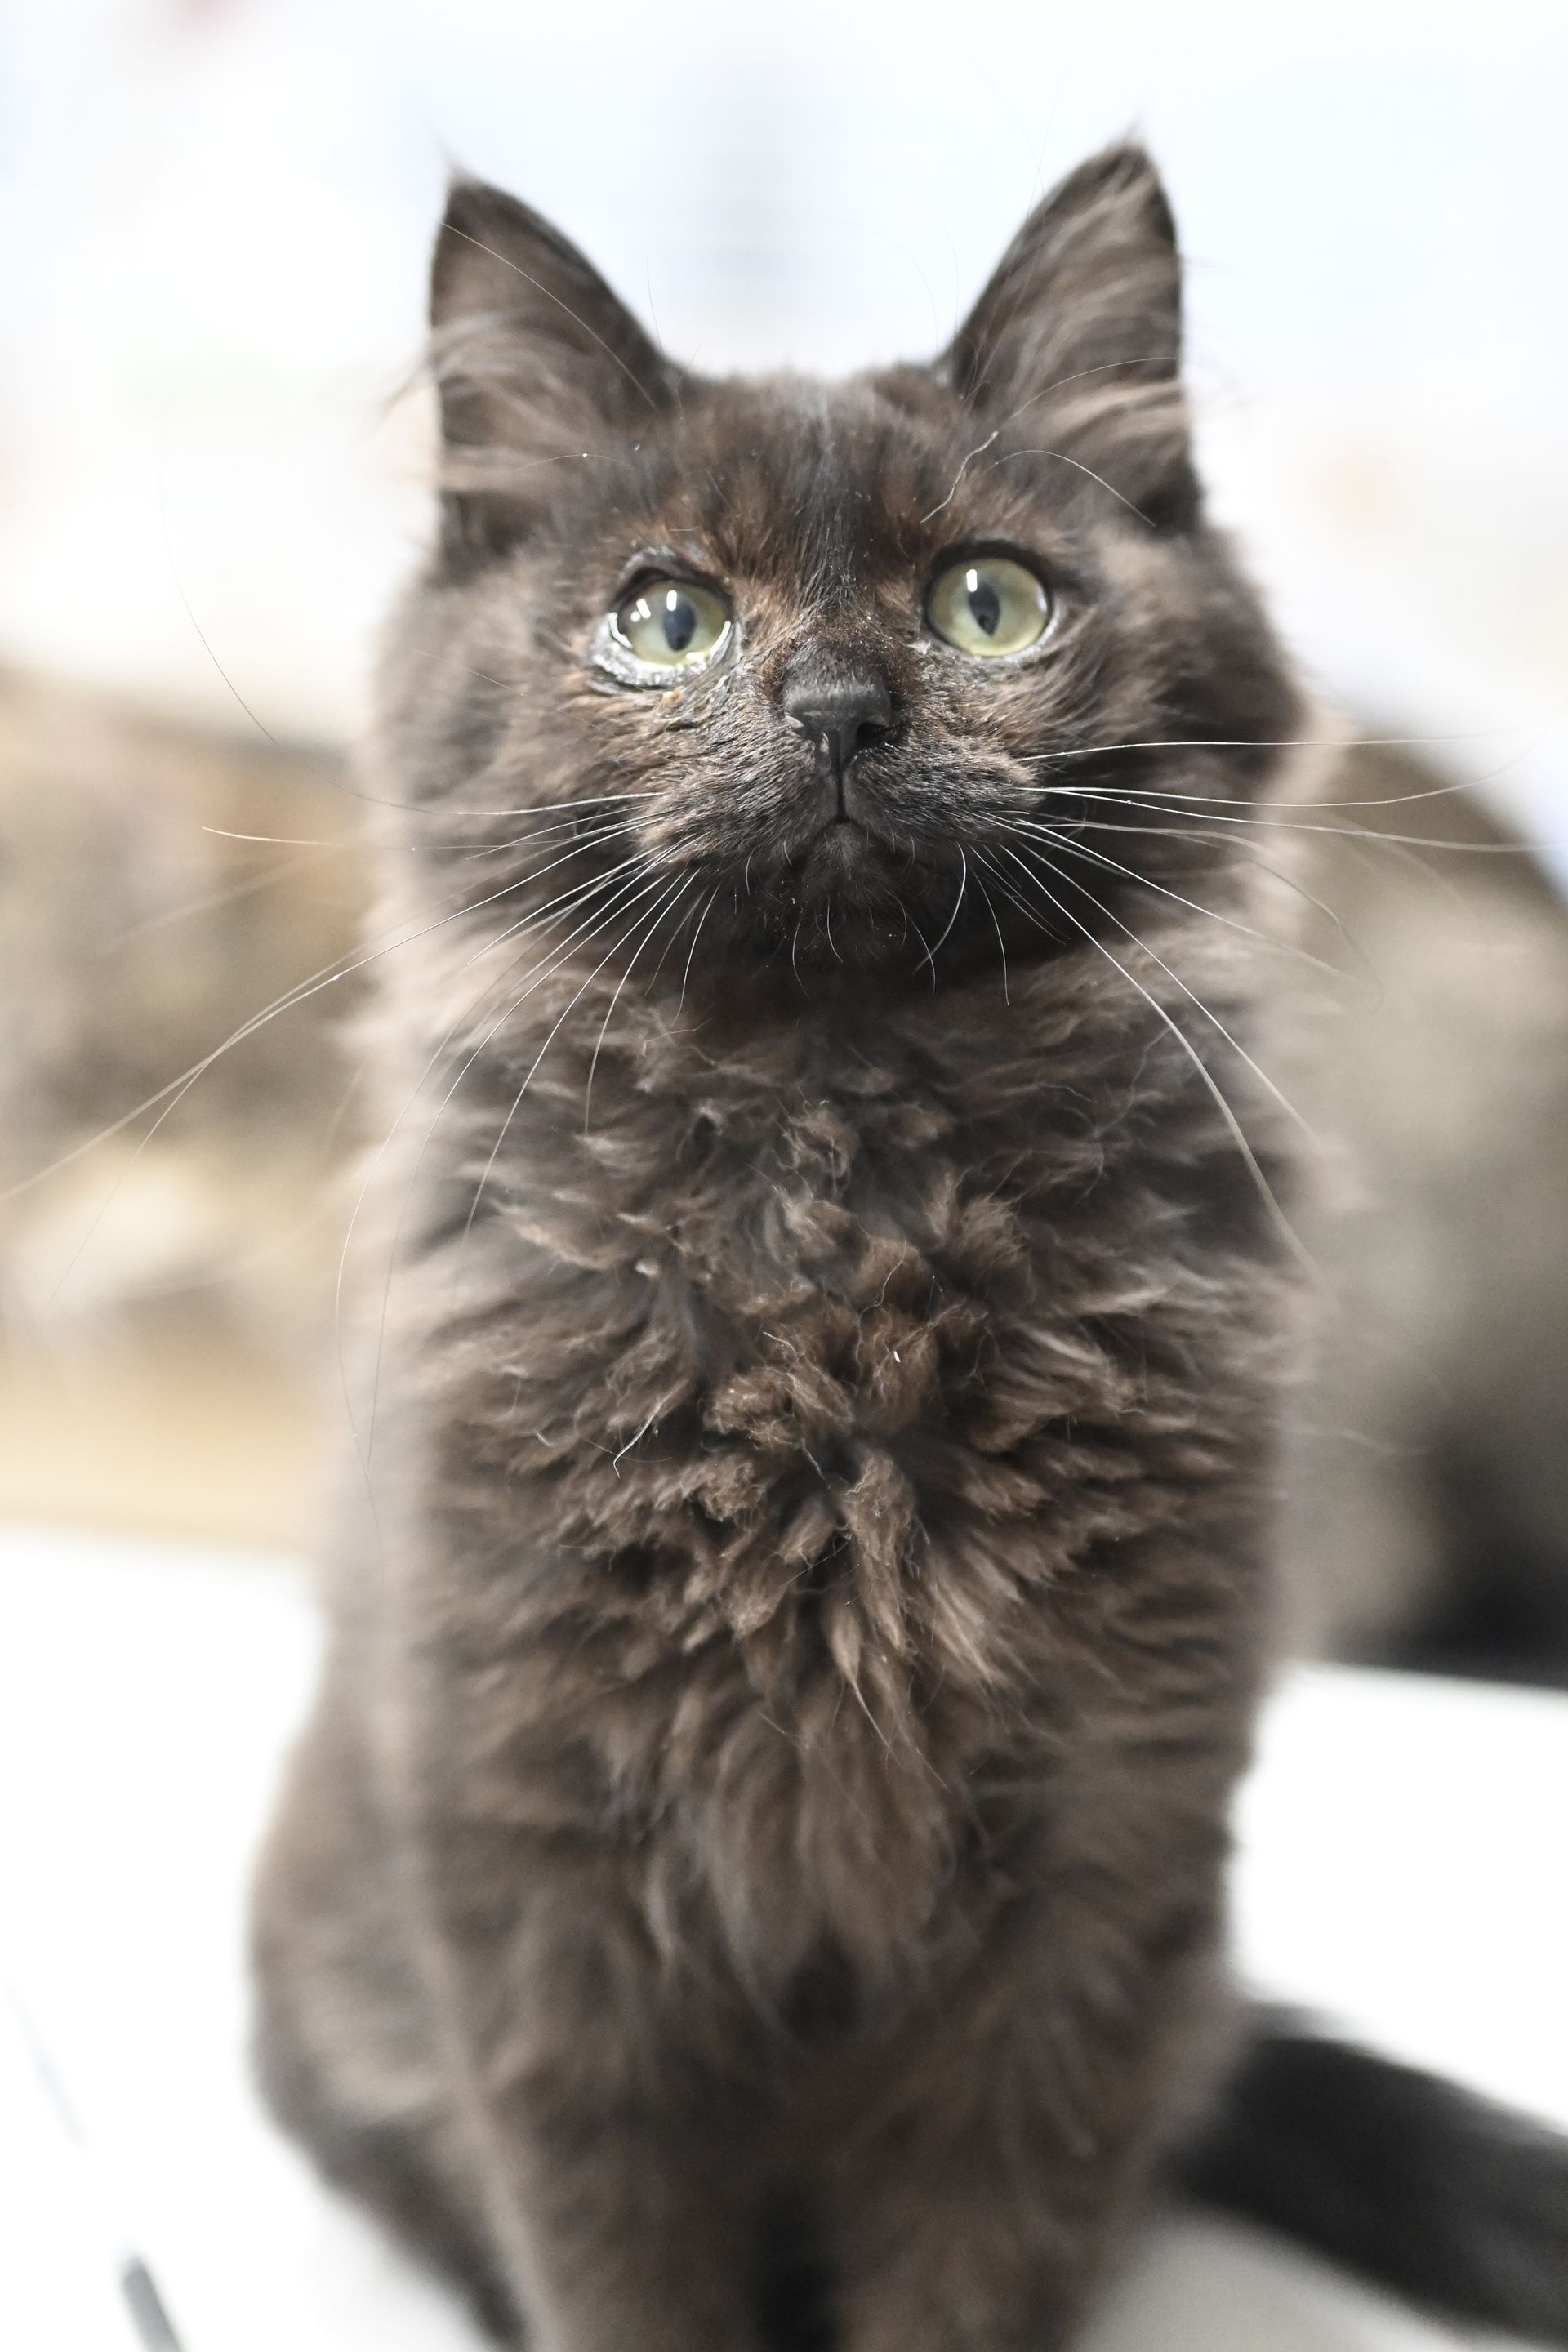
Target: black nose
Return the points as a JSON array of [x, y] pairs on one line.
[[843, 716]]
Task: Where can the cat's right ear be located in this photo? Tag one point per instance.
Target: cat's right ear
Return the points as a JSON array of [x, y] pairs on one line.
[[1079, 336], [535, 360]]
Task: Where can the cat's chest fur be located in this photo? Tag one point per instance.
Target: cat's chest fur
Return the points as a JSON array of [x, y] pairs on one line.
[[781, 1404]]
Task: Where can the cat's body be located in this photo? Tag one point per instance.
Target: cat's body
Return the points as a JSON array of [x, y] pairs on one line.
[[803, 1598], [829, 1737]]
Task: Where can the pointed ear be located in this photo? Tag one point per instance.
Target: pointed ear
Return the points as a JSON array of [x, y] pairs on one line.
[[1076, 339], [534, 357]]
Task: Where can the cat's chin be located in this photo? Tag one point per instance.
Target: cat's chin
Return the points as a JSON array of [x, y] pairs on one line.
[[826, 937], [849, 906], [844, 854], [845, 902]]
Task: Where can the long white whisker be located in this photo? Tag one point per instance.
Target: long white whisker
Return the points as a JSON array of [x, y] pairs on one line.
[[1334, 742], [247, 886], [566, 899], [931, 953], [532, 1069], [670, 945], [1232, 1125], [1078, 467], [692, 951], [1001, 942], [535, 977], [174, 1092], [661, 910], [1234, 1042], [1073, 849], [1241, 849], [1151, 804]]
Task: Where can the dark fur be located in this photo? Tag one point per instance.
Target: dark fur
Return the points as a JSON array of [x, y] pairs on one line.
[[765, 1816], [1451, 2201]]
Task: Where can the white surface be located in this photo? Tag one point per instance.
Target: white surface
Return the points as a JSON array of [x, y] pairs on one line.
[[1401, 1866]]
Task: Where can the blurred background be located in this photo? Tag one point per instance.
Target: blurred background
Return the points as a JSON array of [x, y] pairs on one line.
[[214, 219]]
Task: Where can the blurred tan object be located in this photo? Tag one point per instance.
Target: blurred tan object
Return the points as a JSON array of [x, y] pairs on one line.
[[1428, 1510], [160, 887]]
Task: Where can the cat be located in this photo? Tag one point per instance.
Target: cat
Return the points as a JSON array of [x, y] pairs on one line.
[[754, 1872]]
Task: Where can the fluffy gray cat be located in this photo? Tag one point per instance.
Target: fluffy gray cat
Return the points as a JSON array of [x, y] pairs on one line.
[[755, 1871]]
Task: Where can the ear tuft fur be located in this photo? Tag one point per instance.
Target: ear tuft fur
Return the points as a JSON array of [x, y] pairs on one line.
[[532, 352], [1077, 338]]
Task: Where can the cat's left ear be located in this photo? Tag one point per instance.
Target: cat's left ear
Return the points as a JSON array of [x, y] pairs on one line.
[[1079, 334], [535, 360]]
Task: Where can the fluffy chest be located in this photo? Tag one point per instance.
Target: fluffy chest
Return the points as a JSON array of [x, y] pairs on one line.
[[781, 1461], [803, 1358]]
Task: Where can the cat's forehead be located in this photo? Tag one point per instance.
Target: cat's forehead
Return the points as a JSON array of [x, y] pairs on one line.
[[791, 479]]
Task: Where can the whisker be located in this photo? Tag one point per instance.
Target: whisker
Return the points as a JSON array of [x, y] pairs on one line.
[[327, 975], [284, 840], [658, 914], [669, 943], [535, 808], [1085, 849], [1078, 467], [231, 892], [532, 1069], [178, 1088], [1334, 742], [928, 957], [1214, 1087], [1236, 1045], [1245, 850], [355, 841], [1106, 367], [957, 904], [566, 899], [1001, 942], [567, 826], [1232, 1125], [692, 951], [979, 451], [1149, 804], [538, 973]]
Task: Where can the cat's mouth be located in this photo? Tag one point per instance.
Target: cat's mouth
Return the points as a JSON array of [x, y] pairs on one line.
[[841, 847], [846, 868]]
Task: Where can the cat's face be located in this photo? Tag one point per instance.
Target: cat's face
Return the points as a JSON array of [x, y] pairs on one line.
[[816, 664]]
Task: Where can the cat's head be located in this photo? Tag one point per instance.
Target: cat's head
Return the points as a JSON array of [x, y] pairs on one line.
[[833, 676]]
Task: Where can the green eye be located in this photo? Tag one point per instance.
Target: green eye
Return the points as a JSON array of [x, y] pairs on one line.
[[989, 605], [673, 624]]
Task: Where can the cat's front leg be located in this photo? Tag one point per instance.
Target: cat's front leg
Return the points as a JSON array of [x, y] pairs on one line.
[[622, 2234], [622, 2191], [977, 2203]]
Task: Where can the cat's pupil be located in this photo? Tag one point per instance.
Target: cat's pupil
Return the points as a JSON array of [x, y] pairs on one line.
[[679, 620], [985, 605]]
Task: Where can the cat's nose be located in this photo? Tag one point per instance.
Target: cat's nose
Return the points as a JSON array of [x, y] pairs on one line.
[[842, 716]]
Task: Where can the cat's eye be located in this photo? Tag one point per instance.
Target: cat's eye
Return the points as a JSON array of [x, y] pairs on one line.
[[672, 625], [988, 605]]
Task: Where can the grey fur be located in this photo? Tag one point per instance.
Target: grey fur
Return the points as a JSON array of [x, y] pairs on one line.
[[802, 1622]]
